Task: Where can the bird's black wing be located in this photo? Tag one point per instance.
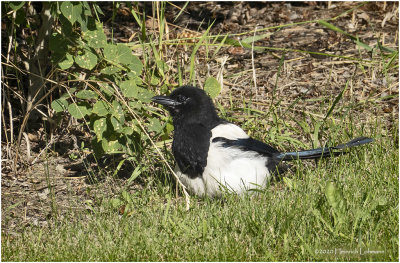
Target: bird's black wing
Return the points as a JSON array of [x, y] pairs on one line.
[[248, 144], [190, 148]]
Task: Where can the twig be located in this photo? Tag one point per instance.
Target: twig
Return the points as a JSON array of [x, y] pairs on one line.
[[11, 121], [11, 35], [28, 146], [37, 157]]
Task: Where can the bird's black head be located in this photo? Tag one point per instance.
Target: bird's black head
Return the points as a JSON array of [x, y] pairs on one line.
[[187, 104]]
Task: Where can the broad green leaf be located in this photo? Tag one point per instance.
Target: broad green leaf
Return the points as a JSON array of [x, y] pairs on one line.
[[169, 127], [119, 53], [118, 112], [78, 110], [154, 125], [116, 203], [72, 11], [155, 80], [106, 89], [116, 124], [100, 126], [136, 65], [145, 95], [66, 26], [87, 60], [86, 22], [110, 146], [335, 199], [59, 105], [110, 70], [86, 94], [101, 108], [127, 130], [96, 38], [129, 88], [135, 104], [58, 47], [20, 18], [67, 62], [212, 87]]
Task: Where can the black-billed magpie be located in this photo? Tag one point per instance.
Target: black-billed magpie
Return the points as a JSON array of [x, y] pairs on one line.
[[213, 154]]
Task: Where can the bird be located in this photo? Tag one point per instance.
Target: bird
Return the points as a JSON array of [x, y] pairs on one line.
[[214, 156]]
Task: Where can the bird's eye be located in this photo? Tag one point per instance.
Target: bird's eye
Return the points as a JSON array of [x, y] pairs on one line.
[[181, 98]]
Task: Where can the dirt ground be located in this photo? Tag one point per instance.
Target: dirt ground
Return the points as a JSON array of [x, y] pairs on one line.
[[57, 180]]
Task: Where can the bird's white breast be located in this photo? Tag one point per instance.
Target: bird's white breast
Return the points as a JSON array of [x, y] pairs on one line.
[[228, 168]]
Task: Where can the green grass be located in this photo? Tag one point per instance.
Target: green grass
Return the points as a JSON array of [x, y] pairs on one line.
[[295, 219]]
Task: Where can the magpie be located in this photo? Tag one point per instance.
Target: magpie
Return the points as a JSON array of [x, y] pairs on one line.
[[214, 155]]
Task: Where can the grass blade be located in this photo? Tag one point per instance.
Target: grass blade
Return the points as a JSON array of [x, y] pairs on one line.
[[337, 99], [334, 28]]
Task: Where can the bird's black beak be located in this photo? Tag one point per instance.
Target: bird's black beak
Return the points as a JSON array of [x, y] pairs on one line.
[[166, 101]]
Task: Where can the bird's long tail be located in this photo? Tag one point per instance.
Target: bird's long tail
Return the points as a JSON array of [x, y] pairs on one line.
[[323, 152]]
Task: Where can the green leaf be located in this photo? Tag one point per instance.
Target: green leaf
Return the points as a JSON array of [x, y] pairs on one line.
[[96, 38], [155, 80], [72, 11], [67, 62], [116, 124], [212, 87], [98, 9], [16, 5], [58, 46], [119, 53], [135, 65], [79, 110], [127, 130], [88, 60], [86, 22], [135, 104], [335, 199], [118, 112], [86, 94], [106, 89], [99, 127], [145, 95], [20, 18], [59, 105], [110, 70], [129, 88], [66, 26], [66, 94], [154, 125], [116, 203], [110, 146], [101, 108]]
